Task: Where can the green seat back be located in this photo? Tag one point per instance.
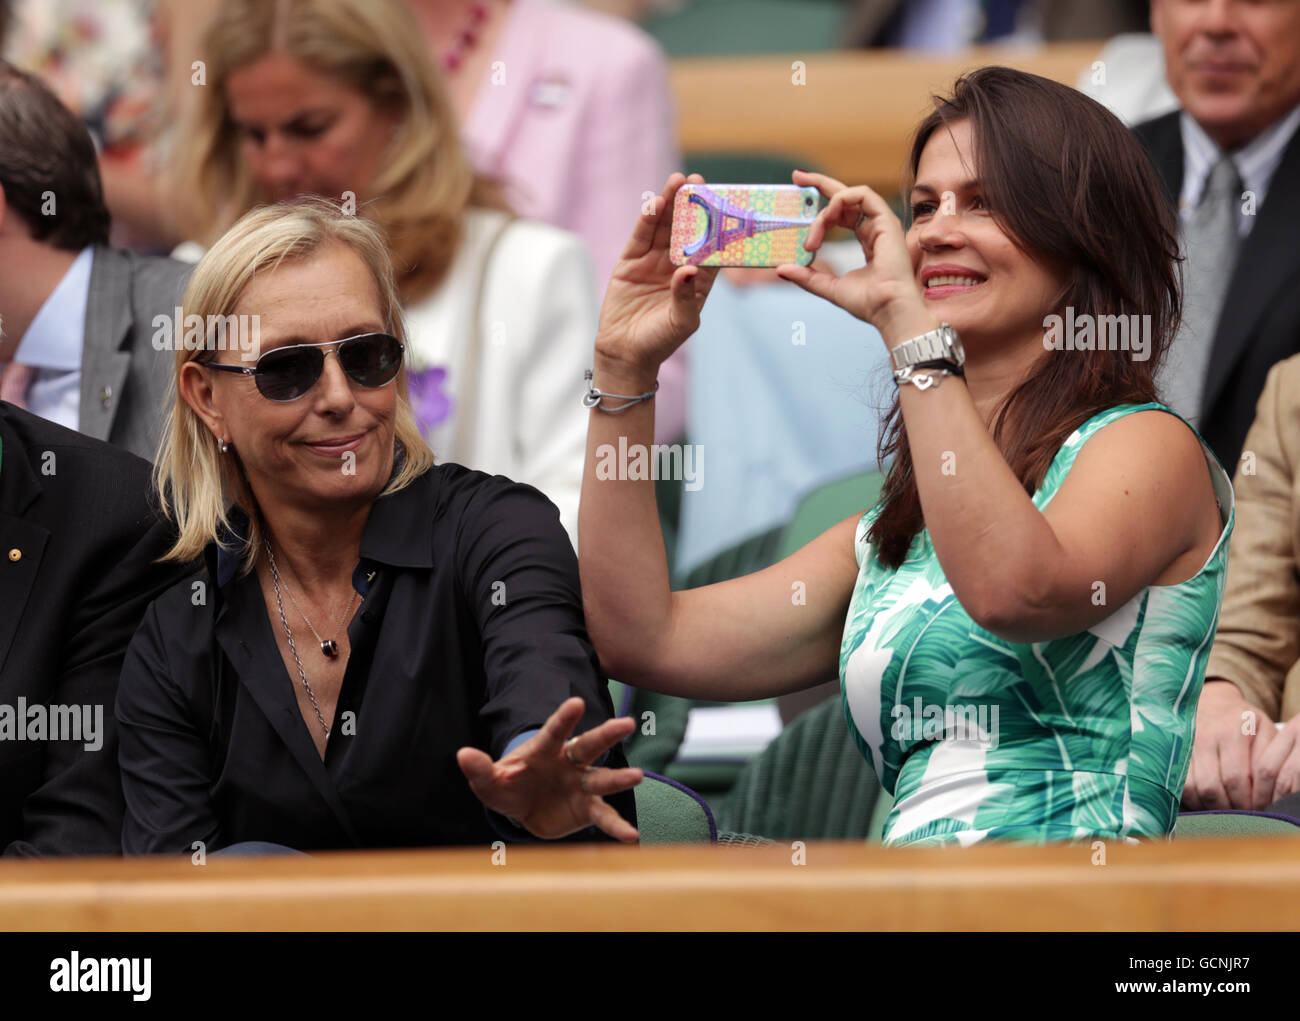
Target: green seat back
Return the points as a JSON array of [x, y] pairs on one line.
[[811, 783], [763, 549], [1233, 824], [708, 27], [830, 504], [669, 815]]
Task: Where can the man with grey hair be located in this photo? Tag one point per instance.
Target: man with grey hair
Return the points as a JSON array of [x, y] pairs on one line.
[[1230, 161]]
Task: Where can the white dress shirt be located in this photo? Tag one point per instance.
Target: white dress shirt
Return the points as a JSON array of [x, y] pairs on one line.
[[1256, 163], [53, 343]]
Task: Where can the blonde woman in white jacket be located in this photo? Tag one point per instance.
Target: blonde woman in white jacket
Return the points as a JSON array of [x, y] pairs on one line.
[[339, 98], [522, 416]]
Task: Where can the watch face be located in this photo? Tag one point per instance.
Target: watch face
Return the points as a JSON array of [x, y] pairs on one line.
[[958, 351]]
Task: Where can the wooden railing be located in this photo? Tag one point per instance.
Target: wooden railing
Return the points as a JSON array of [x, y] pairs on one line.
[[853, 116], [1221, 885]]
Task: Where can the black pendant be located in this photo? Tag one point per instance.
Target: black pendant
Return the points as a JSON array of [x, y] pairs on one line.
[[330, 648]]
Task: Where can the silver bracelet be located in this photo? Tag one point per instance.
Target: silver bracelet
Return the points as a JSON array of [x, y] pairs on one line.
[[922, 378], [593, 397]]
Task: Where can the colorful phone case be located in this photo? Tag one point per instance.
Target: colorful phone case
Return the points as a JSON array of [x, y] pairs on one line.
[[742, 224]]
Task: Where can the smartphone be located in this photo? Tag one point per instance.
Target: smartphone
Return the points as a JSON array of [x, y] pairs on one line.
[[742, 224]]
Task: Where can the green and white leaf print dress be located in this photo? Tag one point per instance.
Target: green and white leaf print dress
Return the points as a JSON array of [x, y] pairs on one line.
[[1087, 736]]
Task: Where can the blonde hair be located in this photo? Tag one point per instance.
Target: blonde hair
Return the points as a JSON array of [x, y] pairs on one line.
[[195, 482], [377, 48]]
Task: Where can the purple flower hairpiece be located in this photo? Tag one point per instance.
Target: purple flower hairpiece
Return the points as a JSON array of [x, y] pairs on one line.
[[429, 400]]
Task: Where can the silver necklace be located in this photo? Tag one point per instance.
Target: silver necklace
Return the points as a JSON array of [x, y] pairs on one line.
[[288, 633], [328, 646]]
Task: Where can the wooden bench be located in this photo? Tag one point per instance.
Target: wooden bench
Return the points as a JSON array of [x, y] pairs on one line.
[[1218, 885], [854, 117]]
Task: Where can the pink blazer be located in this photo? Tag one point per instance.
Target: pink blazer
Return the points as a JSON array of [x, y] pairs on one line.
[[582, 125]]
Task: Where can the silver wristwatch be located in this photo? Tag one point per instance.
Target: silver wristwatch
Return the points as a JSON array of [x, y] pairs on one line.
[[941, 345]]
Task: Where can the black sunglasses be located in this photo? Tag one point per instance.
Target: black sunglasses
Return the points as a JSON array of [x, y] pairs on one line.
[[371, 360]]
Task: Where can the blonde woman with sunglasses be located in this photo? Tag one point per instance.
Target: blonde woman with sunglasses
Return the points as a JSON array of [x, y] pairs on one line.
[[378, 651]]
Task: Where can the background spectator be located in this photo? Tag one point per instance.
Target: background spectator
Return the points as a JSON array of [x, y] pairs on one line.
[[1230, 160], [572, 111], [1247, 752], [340, 98], [81, 314]]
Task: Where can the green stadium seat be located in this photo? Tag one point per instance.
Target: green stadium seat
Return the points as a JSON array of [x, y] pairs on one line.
[[829, 504], [708, 27], [811, 783], [1234, 823], [669, 813]]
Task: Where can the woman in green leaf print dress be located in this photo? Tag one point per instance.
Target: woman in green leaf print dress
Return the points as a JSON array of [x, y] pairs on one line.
[[1021, 623]]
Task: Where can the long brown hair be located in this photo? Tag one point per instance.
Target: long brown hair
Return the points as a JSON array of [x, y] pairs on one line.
[[1069, 185]]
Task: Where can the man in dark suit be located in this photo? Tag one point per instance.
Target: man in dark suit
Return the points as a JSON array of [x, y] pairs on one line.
[[78, 545], [1230, 160], [77, 318]]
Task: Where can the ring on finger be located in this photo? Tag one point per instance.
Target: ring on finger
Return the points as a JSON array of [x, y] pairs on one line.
[[568, 751], [587, 771], [861, 217]]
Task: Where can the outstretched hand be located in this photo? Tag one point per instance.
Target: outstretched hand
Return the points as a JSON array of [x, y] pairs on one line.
[[548, 783], [882, 292]]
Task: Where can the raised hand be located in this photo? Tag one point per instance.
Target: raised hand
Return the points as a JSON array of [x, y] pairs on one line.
[[548, 783], [652, 306], [884, 292]]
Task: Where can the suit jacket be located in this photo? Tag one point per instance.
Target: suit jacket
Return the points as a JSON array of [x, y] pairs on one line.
[[1258, 643], [1260, 322], [123, 377], [78, 543]]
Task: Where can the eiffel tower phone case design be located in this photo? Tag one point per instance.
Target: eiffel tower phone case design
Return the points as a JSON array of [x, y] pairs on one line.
[[742, 224]]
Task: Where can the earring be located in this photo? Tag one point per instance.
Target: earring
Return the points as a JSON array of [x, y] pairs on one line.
[[224, 446]]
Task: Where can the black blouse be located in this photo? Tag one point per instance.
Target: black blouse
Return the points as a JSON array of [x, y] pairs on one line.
[[470, 632]]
